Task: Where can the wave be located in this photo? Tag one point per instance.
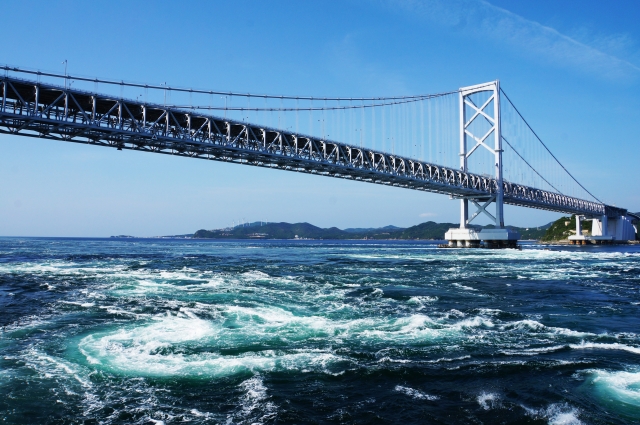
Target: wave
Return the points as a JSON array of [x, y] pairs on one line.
[[415, 394], [620, 387], [488, 400], [604, 346], [254, 406], [556, 414]]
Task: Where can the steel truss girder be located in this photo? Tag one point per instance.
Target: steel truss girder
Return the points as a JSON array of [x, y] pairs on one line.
[[33, 109]]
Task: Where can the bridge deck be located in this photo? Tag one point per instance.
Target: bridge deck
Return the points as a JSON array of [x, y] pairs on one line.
[[30, 108]]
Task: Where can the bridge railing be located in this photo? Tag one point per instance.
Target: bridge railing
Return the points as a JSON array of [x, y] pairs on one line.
[[35, 109]]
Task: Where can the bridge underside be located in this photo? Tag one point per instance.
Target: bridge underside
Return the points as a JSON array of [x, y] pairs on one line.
[[34, 109]]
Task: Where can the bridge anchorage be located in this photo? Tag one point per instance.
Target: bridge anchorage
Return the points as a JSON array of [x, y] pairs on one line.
[[59, 112]]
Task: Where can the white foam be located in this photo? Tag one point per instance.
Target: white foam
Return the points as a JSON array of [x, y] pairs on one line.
[[420, 301], [85, 304], [603, 346], [141, 282], [535, 326], [275, 322], [185, 344], [415, 394], [254, 406], [256, 393], [387, 359], [556, 414], [622, 386], [490, 311], [164, 348], [533, 351], [466, 288], [50, 366], [377, 292], [447, 359], [454, 313], [199, 414], [473, 322], [488, 400]]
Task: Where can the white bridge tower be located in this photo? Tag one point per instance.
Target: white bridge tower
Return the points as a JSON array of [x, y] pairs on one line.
[[489, 138]]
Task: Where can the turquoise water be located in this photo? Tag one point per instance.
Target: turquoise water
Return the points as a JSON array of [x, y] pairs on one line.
[[243, 332]]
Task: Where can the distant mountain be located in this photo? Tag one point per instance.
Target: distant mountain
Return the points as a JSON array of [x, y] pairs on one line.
[[428, 230], [372, 229], [274, 231], [424, 231]]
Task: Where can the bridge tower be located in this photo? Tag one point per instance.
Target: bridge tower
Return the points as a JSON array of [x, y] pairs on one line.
[[480, 129]]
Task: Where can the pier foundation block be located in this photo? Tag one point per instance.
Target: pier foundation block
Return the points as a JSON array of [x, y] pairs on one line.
[[489, 238]]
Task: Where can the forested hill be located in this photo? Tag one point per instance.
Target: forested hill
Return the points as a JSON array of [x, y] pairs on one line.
[[564, 227], [428, 230]]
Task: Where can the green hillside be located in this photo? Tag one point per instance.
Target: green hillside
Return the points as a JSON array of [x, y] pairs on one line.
[[564, 227], [527, 233]]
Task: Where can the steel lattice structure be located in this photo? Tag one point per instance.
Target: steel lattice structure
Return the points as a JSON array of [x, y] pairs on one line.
[[30, 108]]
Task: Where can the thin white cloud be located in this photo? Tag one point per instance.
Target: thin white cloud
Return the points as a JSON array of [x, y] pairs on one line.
[[485, 21], [428, 214]]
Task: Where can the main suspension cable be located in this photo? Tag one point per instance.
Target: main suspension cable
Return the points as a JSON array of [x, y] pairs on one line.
[[317, 108], [122, 83], [530, 166], [545, 146]]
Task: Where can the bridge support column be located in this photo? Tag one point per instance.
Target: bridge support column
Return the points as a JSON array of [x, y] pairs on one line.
[[578, 225], [497, 133], [464, 203], [464, 213]]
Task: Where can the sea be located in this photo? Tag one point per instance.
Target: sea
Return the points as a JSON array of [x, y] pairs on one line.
[[161, 331]]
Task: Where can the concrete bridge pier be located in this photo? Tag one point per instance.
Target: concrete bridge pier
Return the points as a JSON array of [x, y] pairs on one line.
[[605, 230], [489, 238], [464, 243]]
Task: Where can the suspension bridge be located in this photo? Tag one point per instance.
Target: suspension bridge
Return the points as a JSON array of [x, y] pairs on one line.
[[471, 144]]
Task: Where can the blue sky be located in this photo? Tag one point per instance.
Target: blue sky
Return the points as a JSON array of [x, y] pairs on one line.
[[571, 67]]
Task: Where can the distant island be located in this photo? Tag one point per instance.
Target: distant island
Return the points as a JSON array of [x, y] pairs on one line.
[[554, 232], [424, 231]]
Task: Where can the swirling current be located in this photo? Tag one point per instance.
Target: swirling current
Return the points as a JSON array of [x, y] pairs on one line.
[[152, 331]]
